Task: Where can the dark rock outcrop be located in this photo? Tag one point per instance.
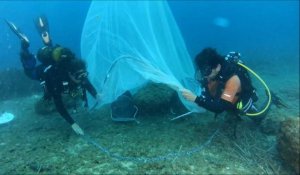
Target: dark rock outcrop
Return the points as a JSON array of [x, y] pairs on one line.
[[156, 98], [289, 142], [271, 125]]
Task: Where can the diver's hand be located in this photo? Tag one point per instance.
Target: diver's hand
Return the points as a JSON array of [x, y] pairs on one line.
[[77, 129], [188, 95]]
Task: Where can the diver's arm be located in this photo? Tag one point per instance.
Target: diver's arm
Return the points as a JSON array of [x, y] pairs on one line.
[[64, 113], [53, 88], [226, 101], [90, 88], [213, 105], [62, 110], [53, 85]]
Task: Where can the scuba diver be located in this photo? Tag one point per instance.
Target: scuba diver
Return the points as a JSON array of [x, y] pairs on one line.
[[60, 72], [226, 86]]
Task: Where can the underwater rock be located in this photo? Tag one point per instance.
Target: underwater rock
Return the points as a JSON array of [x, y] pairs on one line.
[[271, 125], [154, 98], [289, 143]]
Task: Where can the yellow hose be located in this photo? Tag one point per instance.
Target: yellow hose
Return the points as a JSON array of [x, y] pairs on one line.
[[266, 87]]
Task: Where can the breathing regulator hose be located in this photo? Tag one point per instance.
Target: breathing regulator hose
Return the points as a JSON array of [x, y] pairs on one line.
[[266, 87]]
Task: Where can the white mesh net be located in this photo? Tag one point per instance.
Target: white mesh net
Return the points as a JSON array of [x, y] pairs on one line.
[[128, 43]]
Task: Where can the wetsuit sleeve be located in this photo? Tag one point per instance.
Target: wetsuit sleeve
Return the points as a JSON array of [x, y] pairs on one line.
[[54, 88], [90, 88], [225, 102], [213, 105], [62, 110]]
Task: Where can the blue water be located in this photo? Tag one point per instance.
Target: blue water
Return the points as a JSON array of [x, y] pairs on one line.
[[259, 30], [262, 31], [66, 19]]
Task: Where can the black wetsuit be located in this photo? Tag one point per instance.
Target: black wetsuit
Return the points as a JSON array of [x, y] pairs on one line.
[[247, 95], [54, 78]]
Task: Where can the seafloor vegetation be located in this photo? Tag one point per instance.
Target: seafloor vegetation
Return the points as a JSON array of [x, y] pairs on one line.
[[43, 143]]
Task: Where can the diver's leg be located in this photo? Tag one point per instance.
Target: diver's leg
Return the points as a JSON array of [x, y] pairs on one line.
[[29, 64], [259, 118], [27, 59], [236, 121], [232, 120]]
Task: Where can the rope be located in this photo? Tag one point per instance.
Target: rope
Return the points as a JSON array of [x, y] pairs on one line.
[[168, 156]]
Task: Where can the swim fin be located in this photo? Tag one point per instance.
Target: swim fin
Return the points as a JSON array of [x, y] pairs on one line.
[[19, 34], [42, 27]]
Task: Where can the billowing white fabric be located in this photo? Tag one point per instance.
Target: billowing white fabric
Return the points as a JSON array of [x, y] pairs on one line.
[[129, 43]]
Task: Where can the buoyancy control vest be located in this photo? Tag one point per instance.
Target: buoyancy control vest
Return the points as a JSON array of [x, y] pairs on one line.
[[230, 67]]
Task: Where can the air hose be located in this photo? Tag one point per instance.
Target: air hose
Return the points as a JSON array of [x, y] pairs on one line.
[[266, 87]]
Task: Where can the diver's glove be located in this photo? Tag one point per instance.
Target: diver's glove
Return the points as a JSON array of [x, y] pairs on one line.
[[200, 100], [77, 129]]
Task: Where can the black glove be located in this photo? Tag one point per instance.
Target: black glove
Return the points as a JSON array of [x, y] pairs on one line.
[[200, 100]]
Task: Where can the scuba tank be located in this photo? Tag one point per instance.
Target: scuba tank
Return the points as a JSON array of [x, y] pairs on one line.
[[243, 71]]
